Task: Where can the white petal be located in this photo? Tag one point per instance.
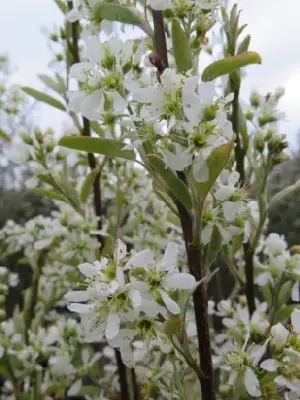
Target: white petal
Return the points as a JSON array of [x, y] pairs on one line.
[[80, 308], [295, 296], [120, 251], [170, 256], [146, 95], [206, 92], [77, 296], [87, 269], [200, 170], [263, 279], [252, 383], [181, 280], [112, 326], [295, 319], [270, 365], [42, 244], [94, 49], [143, 259], [73, 16], [224, 192], [74, 389], [119, 103], [120, 276], [280, 334], [171, 305], [206, 234], [230, 210]]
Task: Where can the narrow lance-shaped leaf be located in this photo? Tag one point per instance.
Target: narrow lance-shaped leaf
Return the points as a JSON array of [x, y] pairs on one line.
[[4, 135], [107, 147], [49, 194], [87, 185], [229, 64], [119, 13], [181, 47], [44, 98], [51, 83], [215, 163], [284, 192], [244, 45], [243, 130], [174, 185]]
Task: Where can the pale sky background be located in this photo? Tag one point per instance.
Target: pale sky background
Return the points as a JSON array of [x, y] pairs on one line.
[[273, 24]]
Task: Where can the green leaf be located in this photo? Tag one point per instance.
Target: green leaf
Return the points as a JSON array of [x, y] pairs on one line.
[[61, 5], [123, 14], [285, 312], [213, 247], [51, 83], [87, 185], [215, 163], [49, 193], [284, 293], [171, 181], [229, 64], [284, 192], [44, 98], [4, 135], [244, 45], [181, 47], [243, 130], [172, 326], [267, 293], [107, 147], [237, 242]]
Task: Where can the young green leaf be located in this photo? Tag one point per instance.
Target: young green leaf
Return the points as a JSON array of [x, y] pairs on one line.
[[244, 45], [44, 98], [213, 247], [107, 147], [49, 194], [173, 184], [119, 13], [284, 192], [51, 83], [4, 135], [87, 185], [215, 163], [243, 130], [229, 64], [181, 47], [61, 5]]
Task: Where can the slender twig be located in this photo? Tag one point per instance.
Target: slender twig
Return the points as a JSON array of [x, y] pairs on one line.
[[247, 248], [193, 251], [33, 293]]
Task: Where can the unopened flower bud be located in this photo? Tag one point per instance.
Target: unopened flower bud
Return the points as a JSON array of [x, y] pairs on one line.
[[26, 137], [295, 249], [54, 37], [277, 143], [279, 92], [209, 113], [249, 115], [279, 158], [259, 140], [254, 99]]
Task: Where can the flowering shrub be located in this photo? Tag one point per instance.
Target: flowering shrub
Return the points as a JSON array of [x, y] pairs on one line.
[[164, 175]]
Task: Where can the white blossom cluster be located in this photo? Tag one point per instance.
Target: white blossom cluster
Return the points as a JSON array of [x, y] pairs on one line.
[[128, 296]]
